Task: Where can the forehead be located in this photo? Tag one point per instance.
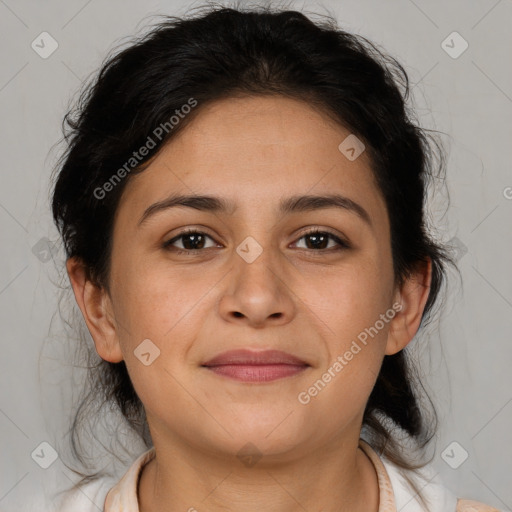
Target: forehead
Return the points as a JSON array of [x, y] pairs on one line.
[[256, 150]]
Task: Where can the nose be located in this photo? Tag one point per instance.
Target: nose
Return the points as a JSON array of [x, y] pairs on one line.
[[257, 294]]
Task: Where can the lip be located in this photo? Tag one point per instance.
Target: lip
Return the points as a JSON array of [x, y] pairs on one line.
[[250, 357], [250, 366]]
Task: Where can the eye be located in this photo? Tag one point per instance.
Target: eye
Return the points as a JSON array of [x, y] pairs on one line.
[[319, 238], [195, 240], [191, 237]]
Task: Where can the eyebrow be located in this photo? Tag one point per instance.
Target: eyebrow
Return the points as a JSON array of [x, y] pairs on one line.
[[288, 205]]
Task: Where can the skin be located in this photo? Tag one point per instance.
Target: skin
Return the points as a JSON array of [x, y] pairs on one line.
[[309, 301]]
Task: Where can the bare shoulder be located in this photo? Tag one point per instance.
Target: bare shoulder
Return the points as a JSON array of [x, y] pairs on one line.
[[474, 506]]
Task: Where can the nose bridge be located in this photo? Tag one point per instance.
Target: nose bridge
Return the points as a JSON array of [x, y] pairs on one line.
[[256, 263]]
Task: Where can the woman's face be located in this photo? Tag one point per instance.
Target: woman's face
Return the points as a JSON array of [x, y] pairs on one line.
[[254, 280]]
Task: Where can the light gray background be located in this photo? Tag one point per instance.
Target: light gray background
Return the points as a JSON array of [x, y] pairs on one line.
[[466, 358]]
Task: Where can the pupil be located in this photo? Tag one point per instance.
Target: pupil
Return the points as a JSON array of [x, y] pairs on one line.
[[317, 237], [192, 236]]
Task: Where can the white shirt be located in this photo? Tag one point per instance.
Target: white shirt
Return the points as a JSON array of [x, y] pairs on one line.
[[394, 493]]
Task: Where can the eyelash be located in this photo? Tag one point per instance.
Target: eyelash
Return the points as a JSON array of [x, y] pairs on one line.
[[168, 244]]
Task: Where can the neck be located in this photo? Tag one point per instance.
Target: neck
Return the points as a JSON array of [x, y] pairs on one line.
[[171, 482]]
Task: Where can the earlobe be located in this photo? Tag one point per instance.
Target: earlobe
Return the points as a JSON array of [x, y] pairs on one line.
[[413, 297], [94, 303]]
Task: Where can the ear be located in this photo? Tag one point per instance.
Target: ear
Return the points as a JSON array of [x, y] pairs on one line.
[[96, 308], [413, 297]]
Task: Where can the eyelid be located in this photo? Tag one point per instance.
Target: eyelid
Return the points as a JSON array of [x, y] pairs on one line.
[[192, 229], [319, 229]]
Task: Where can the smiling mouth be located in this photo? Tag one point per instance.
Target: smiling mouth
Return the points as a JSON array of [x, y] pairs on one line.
[[257, 372], [255, 366]]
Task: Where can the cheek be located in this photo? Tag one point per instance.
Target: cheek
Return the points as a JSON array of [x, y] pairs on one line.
[[169, 310], [348, 307], [152, 300], [347, 298]]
